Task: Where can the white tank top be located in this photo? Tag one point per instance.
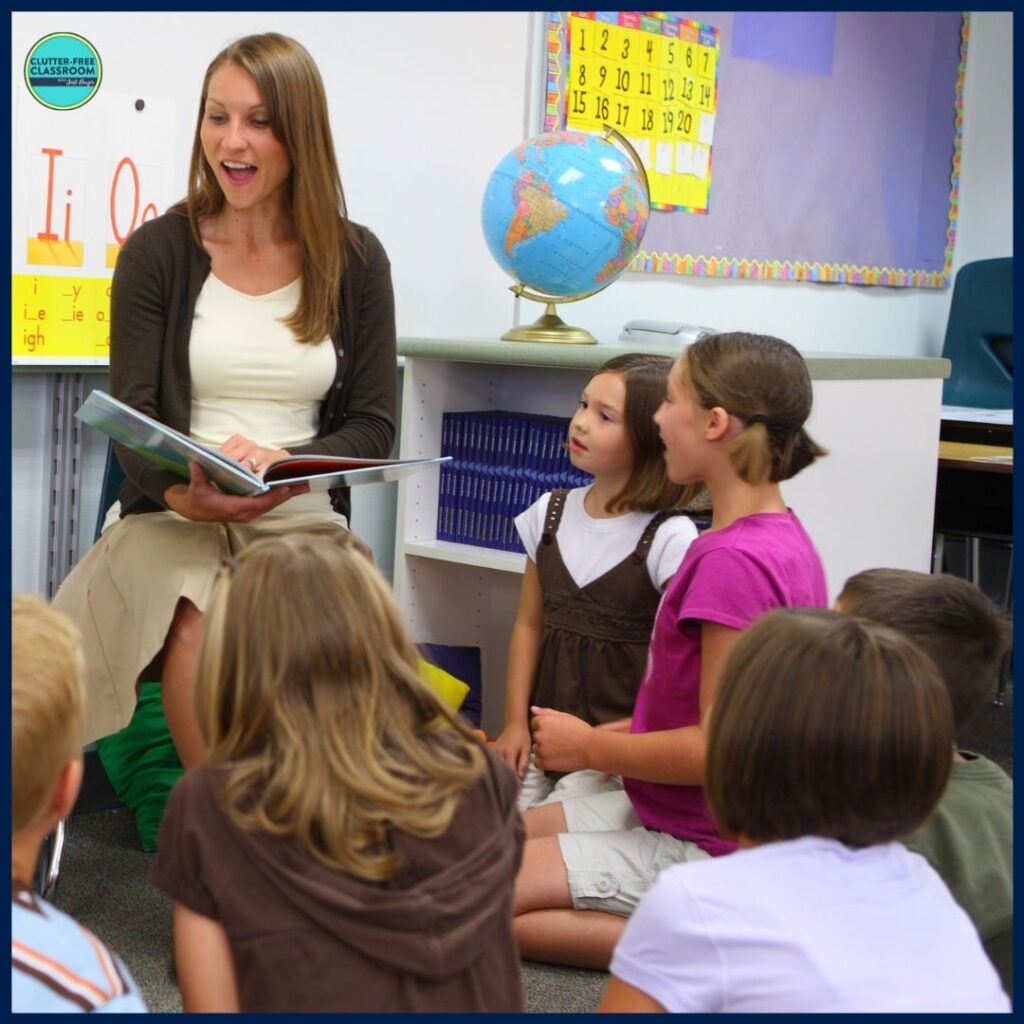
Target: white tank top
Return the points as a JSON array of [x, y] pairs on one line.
[[249, 374]]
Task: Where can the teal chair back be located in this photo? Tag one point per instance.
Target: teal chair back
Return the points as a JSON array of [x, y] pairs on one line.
[[979, 336]]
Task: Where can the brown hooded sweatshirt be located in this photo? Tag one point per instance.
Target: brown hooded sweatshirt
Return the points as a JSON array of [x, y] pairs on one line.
[[436, 937]]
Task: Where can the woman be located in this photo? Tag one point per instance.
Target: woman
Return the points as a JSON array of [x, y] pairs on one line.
[[253, 316]]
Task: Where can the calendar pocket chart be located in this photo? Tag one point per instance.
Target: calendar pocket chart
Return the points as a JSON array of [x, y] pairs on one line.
[[654, 78]]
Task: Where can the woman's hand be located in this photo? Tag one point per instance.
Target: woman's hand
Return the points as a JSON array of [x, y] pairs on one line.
[[560, 740], [513, 746], [250, 454], [201, 502]]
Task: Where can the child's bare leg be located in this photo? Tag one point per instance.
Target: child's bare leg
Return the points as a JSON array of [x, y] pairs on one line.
[[177, 685], [573, 938], [546, 820]]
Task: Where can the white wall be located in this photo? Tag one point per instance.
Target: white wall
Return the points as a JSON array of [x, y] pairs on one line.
[[423, 107]]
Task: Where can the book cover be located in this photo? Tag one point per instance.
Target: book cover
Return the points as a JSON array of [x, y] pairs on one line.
[[174, 451]]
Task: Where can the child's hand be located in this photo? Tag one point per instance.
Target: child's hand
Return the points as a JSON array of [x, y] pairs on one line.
[[513, 746], [560, 741]]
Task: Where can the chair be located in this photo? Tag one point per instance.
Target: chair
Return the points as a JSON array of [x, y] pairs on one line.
[[48, 870], [979, 336]]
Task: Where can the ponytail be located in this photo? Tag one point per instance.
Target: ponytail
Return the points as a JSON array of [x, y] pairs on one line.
[[764, 382]]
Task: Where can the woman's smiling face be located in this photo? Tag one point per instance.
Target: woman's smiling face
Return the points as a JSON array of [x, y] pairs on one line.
[[250, 163]]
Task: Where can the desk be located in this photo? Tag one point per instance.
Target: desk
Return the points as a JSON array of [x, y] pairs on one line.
[[974, 505], [981, 458], [973, 491]]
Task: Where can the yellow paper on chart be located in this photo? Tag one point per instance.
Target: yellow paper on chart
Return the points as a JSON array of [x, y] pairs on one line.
[[654, 79], [57, 316]]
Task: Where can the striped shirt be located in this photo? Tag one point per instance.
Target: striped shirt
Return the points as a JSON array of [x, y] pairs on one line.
[[59, 966]]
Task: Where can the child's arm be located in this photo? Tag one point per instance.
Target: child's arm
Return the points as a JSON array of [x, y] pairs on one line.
[[675, 756], [513, 745], [206, 968]]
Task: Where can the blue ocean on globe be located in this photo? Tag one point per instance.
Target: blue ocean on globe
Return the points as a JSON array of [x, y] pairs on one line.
[[564, 213]]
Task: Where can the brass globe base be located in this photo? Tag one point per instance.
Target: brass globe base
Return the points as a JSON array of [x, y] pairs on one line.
[[551, 328]]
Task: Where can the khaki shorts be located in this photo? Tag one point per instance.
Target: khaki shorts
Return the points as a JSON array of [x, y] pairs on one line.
[[539, 788], [610, 859]]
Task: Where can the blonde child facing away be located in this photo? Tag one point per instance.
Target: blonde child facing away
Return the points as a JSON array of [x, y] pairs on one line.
[[733, 416], [349, 846], [598, 559], [57, 966], [829, 740]]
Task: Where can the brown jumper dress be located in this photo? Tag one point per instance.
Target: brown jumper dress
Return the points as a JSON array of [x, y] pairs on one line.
[[594, 648]]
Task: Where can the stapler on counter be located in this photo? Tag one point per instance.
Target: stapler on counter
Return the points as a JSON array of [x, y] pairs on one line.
[[662, 332]]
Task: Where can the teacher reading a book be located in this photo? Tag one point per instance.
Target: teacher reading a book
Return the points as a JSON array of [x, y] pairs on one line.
[[253, 316]]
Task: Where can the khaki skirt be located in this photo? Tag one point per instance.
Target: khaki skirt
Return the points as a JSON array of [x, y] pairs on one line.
[[123, 593]]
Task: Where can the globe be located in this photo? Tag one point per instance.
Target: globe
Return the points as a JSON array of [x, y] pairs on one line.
[[563, 214]]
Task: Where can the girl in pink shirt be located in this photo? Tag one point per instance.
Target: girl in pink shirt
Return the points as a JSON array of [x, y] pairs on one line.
[[733, 417]]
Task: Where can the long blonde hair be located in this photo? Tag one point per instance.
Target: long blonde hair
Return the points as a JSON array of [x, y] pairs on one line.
[[296, 103], [308, 691]]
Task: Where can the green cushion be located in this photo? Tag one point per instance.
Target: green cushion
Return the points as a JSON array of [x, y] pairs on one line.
[[142, 764]]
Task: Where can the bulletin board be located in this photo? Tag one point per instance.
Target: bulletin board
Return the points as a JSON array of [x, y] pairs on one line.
[[798, 146]]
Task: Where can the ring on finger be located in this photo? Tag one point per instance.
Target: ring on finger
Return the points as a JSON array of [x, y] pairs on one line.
[[252, 462]]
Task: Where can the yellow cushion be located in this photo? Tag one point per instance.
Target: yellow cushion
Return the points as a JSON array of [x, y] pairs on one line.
[[451, 690]]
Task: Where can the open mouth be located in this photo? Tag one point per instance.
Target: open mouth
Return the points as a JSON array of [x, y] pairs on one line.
[[575, 446], [238, 173]]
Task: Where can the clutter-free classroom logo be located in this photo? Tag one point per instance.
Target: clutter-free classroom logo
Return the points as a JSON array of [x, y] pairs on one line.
[[63, 71]]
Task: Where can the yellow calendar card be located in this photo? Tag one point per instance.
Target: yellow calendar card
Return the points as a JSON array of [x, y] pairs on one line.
[[652, 77]]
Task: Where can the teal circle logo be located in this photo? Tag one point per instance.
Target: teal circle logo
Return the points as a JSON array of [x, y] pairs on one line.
[[63, 71]]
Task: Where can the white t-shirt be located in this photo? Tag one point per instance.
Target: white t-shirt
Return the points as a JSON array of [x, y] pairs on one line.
[[806, 925], [590, 547]]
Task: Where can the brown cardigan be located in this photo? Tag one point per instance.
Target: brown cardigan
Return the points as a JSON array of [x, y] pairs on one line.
[[157, 281]]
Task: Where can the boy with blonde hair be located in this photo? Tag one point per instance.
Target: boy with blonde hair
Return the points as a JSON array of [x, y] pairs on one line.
[[56, 964]]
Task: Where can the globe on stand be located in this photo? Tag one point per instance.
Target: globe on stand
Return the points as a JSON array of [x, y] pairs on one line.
[[563, 214]]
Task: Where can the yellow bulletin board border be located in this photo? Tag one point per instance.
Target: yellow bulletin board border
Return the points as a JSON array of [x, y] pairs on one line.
[[669, 260]]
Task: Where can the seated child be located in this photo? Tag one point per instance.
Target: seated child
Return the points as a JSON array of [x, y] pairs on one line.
[[348, 846], [969, 838], [829, 739], [598, 559], [56, 964], [733, 416]]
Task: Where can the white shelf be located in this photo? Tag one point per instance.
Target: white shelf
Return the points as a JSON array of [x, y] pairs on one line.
[[466, 595], [468, 554]]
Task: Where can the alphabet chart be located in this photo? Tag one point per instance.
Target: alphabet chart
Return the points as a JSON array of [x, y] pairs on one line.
[[83, 180], [653, 77]]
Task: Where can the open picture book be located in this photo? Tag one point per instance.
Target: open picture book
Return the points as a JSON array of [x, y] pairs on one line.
[[173, 451]]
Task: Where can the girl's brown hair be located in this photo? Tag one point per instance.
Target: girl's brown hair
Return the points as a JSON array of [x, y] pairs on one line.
[[827, 725], [296, 103], [648, 488], [308, 692], [764, 381]]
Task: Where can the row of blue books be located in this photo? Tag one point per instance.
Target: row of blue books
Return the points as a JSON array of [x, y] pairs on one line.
[[502, 462]]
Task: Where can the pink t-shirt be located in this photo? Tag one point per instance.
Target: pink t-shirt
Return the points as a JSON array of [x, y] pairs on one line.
[[729, 577]]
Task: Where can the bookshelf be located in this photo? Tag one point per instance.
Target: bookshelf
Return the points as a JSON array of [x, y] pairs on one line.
[[870, 503]]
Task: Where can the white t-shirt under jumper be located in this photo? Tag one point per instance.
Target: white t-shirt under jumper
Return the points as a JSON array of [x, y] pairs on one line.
[[590, 547]]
